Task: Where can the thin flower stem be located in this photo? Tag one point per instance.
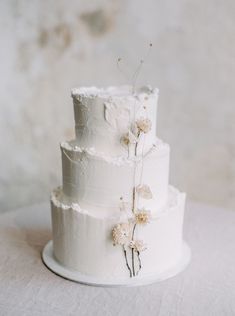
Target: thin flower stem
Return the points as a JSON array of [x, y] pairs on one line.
[[142, 162], [136, 72], [133, 232], [135, 75], [134, 186], [136, 145], [127, 264], [132, 251], [133, 261], [139, 260], [133, 194], [142, 155], [138, 69]]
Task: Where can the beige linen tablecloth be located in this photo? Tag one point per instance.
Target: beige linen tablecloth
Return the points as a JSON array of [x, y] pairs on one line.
[[206, 287]]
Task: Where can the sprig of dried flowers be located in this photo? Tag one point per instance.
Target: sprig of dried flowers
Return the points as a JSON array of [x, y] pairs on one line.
[[134, 77], [124, 233]]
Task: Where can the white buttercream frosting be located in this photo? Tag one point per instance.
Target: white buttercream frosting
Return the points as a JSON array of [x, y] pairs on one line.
[[83, 242], [103, 116], [98, 181], [158, 146], [112, 92], [60, 200], [114, 168]]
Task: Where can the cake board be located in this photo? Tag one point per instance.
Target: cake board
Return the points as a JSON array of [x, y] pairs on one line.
[[52, 264]]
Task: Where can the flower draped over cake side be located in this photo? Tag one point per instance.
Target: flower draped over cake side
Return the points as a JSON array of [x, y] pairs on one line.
[[123, 234]]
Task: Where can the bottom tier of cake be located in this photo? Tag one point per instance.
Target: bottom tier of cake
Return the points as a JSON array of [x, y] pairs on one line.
[[82, 242]]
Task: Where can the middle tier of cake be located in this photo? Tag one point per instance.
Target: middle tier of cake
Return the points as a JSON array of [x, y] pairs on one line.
[[98, 182]]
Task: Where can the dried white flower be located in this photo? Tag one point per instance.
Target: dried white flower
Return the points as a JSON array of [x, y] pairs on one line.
[[128, 139], [142, 217], [137, 245], [144, 125], [121, 234], [144, 191]]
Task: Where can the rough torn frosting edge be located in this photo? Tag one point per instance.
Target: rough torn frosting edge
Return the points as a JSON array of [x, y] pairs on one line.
[[123, 92], [58, 200], [118, 160]]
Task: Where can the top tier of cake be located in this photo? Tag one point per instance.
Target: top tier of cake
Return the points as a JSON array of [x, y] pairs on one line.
[[104, 116]]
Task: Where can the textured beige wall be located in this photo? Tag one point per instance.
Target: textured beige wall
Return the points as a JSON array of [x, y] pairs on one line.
[[47, 47]]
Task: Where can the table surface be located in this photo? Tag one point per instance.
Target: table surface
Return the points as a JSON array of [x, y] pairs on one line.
[[206, 287]]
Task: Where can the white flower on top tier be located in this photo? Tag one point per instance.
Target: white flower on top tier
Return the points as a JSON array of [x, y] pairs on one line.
[[137, 245], [144, 125], [128, 139], [144, 191], [142, 217], [121, 234]]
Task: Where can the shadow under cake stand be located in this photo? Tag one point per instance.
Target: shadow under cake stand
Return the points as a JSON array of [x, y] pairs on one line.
[[69, 274]]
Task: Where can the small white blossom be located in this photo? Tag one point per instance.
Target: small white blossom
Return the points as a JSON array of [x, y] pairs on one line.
[[121, 234], [142, 217], [144, 125], [137, 245], [144, 191], [128, 139]]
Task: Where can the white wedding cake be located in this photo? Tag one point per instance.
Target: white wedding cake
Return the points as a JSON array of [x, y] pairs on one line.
[[116, 219]]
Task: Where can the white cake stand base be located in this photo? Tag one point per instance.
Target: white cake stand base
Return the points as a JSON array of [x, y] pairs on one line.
[[53, 265]]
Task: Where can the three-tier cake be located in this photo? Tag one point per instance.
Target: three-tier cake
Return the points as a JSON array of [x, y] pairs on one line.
[[116, 220]]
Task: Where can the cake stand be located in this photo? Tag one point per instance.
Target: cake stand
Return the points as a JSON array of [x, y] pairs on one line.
[[69, 274]]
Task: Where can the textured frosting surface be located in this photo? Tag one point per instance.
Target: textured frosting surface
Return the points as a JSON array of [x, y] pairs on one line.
[[98, 181], [102, 116], [115, 189], [83, 242]]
